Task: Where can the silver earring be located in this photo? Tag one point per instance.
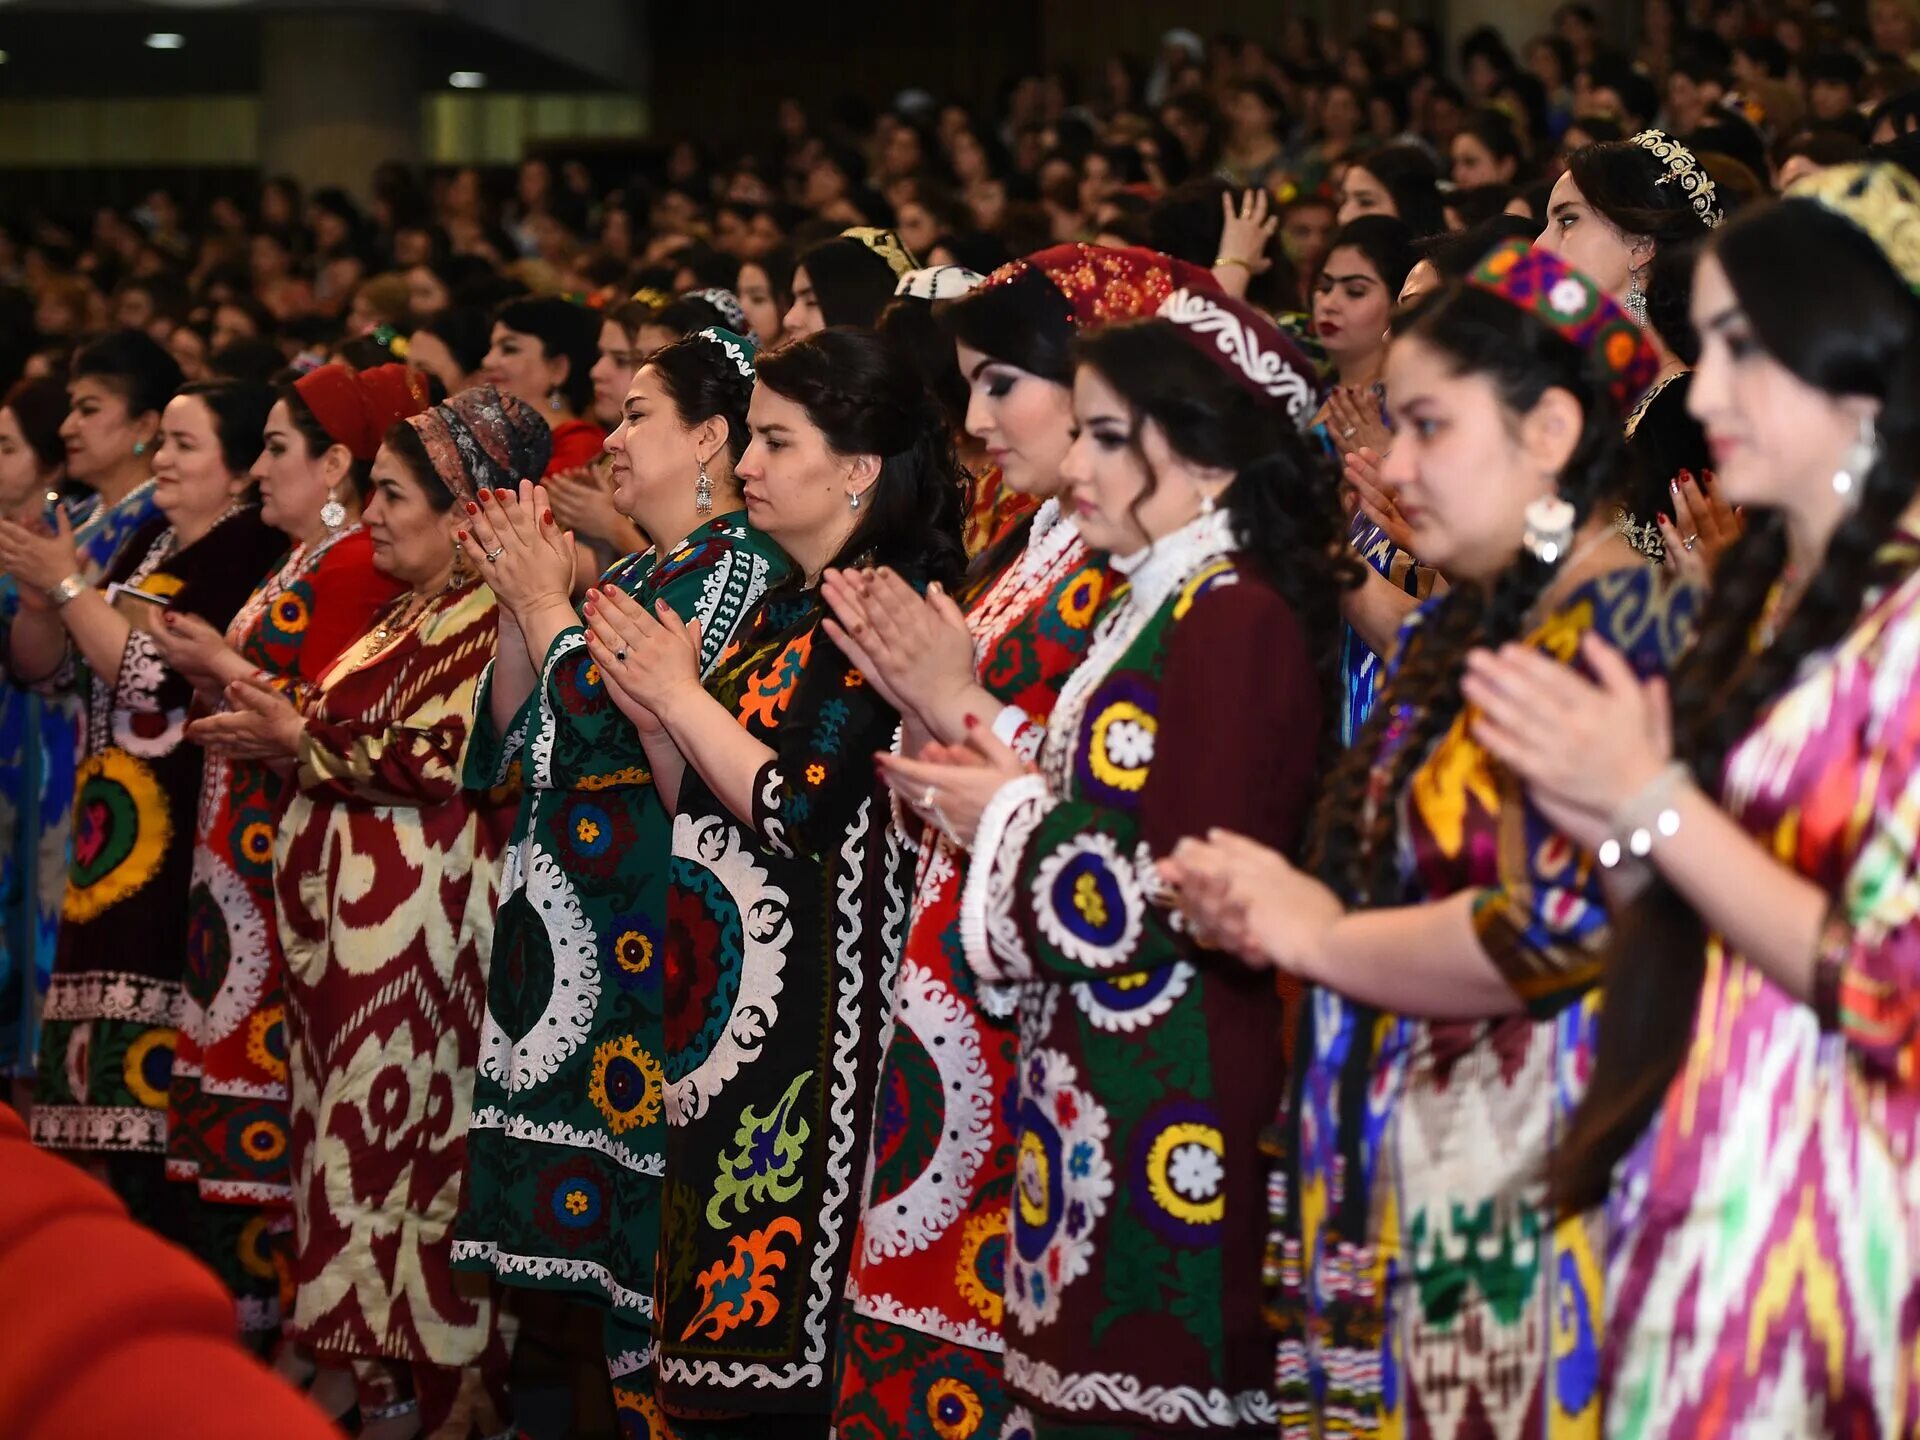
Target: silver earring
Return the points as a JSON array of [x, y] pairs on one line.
[[703, 492], [554, 399], [1862, 455], [1206, 504], [333, 514], [1635, 303], [853, 501], [1549, 528]]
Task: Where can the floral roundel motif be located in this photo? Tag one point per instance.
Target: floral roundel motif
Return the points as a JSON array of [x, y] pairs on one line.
[[1062, 1181]]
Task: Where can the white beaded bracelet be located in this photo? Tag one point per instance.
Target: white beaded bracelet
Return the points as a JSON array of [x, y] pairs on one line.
[[1647, 817]]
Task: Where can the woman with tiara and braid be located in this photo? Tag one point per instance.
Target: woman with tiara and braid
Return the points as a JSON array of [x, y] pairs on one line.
[[1449, 929], [1754, 1115]]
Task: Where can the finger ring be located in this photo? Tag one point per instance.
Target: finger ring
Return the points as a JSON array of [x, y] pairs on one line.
[[926, 800], [1689, 541], [495, 554], [621, 655], [1348, 433]]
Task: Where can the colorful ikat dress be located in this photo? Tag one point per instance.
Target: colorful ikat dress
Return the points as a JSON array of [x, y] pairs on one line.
[[1765, 1278], [1420, 1288]]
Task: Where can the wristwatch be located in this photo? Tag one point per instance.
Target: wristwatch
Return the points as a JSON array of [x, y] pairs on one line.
[[64, 593]]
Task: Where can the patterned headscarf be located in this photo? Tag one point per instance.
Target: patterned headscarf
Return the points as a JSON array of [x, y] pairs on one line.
[[1579, 310], [884, 243], [1101, 284], [1879, 200], [481, 439]]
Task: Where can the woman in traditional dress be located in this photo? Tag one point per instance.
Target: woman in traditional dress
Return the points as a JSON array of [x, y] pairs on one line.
[[33, 811], [543, 353], [566, 1141], [116, 1000], [1619, 205], [921, 1336], [1146, 1063], [788, 897], [109, 428], [1451, 930], [386, 872], [227, 1122], [1753, 1115]]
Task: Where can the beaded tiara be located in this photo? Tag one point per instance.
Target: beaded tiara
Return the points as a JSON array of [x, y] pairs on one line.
[[1683, 168]]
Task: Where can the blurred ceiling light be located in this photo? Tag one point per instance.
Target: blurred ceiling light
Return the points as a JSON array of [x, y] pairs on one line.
[[468, 80], [166, 40]]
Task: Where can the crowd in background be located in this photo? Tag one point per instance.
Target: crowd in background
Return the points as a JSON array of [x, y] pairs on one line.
[[905, 776]]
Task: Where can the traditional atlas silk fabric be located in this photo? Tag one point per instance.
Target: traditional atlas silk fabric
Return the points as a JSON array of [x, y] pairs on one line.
[[1361, 667], [990, 507], [1145, 1065], [40, 740], [565, 1148], [1767, 1227], [227, 1122], [115, 1003], [386, 874], [1420, 1289], [783, 934], [930, 1251]]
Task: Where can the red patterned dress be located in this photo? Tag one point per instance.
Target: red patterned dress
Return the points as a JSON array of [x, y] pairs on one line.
[[386, 875], [921, 1336], [227, 1120]]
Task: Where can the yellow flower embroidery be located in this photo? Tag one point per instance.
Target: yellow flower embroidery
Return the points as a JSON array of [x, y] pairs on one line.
[[1086, 899]]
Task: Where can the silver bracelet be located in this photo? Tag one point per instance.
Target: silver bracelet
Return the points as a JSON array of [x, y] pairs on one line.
[[1647, 817]]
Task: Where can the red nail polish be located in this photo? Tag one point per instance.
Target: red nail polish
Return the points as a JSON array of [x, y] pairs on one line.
[[463, 537], [973, 722], [472, 509], [548, 517], [1665, 519]]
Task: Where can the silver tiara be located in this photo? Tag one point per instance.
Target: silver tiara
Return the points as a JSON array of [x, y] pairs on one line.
[[1683, 169]]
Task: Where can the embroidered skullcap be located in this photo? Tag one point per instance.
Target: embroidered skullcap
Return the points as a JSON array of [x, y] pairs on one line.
[[1105, 283], [1681, 167], [1568, 302], [1248, 346], [647, 295], [356, 409], [740, 349], [939, 282], [884, 243], [481, 439], [1879, 200], [727, 303]]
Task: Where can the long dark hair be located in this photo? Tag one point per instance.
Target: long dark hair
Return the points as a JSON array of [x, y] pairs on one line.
[[239, 409], [1413, 180], [1388, 244], [562, 328], [1477, 333], [850, 280], [702, 380], [1284, 501], [866, 402], [1622, 182], [1824, 302]]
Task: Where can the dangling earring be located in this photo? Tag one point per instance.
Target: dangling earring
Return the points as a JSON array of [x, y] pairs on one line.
[[1549, 528], [853, 501], [1206, 503], [554, 399], [1860, 459], [703, 491], [1635, 303], [333, 514]]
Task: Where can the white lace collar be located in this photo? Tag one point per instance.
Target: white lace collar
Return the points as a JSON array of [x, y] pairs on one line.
[[1156, 570]]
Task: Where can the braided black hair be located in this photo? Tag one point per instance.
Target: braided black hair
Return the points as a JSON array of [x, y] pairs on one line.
[[1824, 302], [1353, 847]]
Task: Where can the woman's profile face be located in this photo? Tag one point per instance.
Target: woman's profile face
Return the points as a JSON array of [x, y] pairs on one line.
[[1585, 238]]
